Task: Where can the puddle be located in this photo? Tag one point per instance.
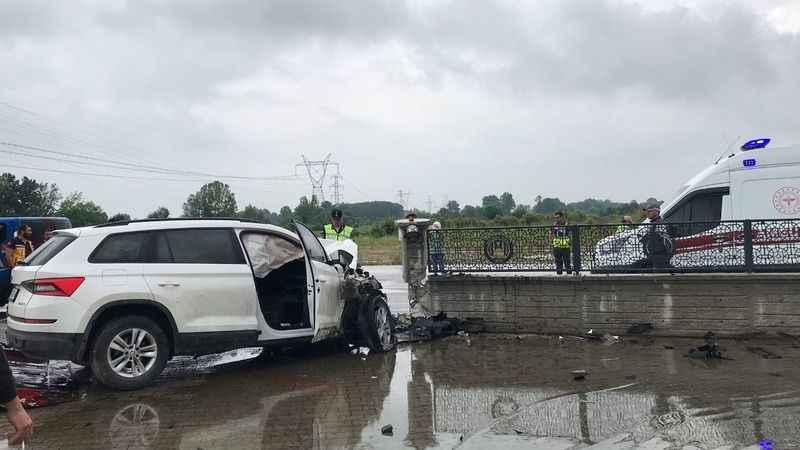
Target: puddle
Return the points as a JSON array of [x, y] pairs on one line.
[[496, 392]]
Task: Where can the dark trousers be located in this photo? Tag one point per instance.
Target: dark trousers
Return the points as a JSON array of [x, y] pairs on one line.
[[562, 259], [437, 262]]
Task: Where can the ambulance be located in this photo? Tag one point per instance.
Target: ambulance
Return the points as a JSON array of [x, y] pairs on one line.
[[755, 183]]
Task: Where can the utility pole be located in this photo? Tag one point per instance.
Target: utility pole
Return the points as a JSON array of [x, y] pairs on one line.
[[317, 171], [404, 197], [337, 189]]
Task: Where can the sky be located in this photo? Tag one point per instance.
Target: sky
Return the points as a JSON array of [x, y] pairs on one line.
[[447, 100]]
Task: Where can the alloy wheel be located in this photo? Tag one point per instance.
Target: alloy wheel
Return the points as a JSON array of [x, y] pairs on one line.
[[132, 352], [383, 326]]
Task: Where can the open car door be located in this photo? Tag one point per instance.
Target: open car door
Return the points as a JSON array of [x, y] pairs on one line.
[[324, 286]]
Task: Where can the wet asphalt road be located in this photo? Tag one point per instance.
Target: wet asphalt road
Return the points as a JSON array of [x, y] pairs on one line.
[[480, 392], [493, 391]]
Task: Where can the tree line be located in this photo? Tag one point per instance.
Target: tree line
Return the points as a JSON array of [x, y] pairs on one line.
[[28, 197], [504, 210], [21, 197]]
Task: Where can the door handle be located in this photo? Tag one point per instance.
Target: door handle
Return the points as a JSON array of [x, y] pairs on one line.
[[320, 281], [169, 284]]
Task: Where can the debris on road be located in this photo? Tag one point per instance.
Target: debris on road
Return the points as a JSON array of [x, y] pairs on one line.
[[607, 338], [387, 430], [764, 353], [579, 375], [640, 328], [33, 398], [410, 328]]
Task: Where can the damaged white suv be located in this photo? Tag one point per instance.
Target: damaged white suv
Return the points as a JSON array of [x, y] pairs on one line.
[[125, 297]]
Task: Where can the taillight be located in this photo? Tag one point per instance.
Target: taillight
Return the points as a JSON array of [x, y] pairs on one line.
[[54, 287]]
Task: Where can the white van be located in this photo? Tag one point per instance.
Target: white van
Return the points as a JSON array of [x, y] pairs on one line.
[[754, 183]]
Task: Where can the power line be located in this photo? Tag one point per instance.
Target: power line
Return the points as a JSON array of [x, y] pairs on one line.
[[56, 130], [350, 183], [94, 174], [131, 166], [55, 133], [80, 163]]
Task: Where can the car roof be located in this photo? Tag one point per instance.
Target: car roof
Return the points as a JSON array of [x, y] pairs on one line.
[[170, 224]]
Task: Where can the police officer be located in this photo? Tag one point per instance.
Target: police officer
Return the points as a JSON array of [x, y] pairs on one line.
[[560, 240], [336, 230]]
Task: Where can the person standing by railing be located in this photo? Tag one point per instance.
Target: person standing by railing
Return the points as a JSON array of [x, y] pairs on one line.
[[657, 244], [627, 224], [436, 249], [561, 243]]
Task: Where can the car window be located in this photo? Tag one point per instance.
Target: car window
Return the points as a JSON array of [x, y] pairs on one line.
[[122, 248], [48, 250], [312, 245], [204, 246], [161, 251]]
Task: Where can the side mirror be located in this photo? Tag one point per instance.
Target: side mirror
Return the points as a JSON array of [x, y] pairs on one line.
[[342, 258]]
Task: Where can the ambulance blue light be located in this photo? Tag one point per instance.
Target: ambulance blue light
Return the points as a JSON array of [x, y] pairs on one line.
[[756, 143], [749, 162]]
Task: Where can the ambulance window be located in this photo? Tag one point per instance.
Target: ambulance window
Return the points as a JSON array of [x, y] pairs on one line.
[[703, 207], [706, 207], [679, 214]]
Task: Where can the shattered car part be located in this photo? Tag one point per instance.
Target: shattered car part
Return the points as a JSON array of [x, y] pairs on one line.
[[367, 320]]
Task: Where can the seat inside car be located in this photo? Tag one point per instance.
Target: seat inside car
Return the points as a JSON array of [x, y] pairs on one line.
[[279, 269]]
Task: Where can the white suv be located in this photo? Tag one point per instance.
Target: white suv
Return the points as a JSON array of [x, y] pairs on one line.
[[124, 297]]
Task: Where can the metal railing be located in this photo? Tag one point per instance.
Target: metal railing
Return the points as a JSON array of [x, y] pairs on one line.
[[720, 246]]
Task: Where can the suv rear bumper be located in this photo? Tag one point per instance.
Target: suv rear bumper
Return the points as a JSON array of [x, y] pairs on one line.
[[57, 346]]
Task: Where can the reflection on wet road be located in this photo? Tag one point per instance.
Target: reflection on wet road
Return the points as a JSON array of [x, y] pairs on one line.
[[495, 392]]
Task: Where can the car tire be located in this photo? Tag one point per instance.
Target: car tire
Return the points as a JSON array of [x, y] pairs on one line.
[[376, 324], [137, 344]]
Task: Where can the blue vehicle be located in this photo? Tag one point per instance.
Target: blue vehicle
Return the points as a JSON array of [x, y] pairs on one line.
[[41, 226]]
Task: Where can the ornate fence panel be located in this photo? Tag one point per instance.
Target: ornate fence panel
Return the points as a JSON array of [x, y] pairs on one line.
[[729, 246]]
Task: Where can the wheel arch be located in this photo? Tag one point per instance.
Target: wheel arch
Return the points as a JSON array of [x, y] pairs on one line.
[[147, 308]]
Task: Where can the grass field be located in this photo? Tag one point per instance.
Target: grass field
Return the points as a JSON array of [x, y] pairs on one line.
[[379, 251]]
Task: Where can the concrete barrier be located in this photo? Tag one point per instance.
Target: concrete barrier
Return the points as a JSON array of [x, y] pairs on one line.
[[676, 305]]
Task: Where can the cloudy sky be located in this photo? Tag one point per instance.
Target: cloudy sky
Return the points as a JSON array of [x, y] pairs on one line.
[[610, 99]]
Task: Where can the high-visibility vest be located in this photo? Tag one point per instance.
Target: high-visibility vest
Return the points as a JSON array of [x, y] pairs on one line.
[[331, 233], [561, 237]]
